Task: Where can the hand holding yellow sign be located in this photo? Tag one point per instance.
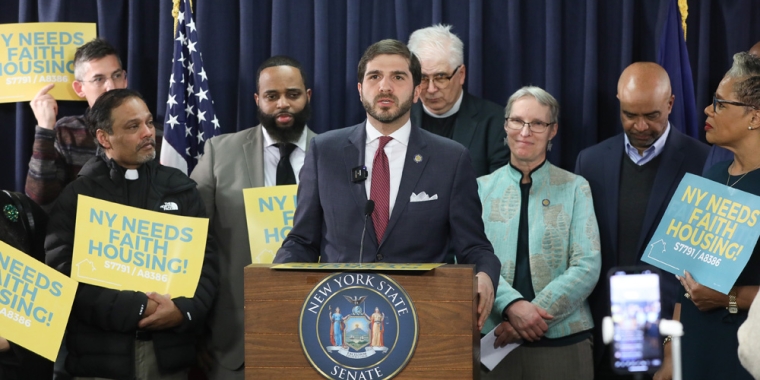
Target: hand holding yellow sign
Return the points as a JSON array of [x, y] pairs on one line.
[[127, 248], [269, 213], [35, 302], [33, 55]]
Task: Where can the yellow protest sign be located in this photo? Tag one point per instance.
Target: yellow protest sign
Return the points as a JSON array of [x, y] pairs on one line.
[[33, 55], [127, 248], [269, 213], [35, 302]]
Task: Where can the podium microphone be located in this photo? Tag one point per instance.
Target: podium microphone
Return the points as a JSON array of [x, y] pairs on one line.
[[369, 207]]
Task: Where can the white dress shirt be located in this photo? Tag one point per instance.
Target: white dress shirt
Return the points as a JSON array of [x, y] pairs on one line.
[[396, 152], [272, 157]]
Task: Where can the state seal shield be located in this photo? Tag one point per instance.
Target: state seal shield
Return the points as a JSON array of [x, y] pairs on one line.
[[358, 325]]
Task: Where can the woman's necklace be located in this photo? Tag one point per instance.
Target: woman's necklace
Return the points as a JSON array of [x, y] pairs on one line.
[[740, 178]]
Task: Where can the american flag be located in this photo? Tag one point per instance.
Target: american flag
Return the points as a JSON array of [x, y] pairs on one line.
[[190, 118]]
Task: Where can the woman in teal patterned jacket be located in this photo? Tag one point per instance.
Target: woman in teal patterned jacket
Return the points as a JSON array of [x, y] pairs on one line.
[[540, 220]]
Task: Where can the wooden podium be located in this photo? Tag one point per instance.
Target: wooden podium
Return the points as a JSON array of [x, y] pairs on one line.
[[446, 302]]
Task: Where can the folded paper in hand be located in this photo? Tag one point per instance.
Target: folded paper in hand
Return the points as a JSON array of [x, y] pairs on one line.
[[422, 197]]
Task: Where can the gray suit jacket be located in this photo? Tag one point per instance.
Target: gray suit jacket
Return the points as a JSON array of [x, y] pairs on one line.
[[231, 162]]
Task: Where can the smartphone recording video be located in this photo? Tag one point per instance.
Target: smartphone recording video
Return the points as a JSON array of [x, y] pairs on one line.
[[635, 307]]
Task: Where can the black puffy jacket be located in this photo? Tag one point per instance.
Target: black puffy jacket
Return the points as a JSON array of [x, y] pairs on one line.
[[101, 329]]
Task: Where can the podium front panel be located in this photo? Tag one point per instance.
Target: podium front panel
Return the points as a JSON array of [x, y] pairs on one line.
[[446, 303]]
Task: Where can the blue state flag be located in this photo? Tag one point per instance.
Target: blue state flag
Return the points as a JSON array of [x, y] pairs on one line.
[[708, 229], [190, 118], [673, 56]]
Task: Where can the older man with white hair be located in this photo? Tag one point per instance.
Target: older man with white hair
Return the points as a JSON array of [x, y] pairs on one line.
[[449, 111]]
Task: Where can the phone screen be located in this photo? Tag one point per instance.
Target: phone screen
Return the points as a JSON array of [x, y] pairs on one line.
[[635, 306]]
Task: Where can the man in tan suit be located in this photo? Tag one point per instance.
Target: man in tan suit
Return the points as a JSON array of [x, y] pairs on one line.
[[268, 154]]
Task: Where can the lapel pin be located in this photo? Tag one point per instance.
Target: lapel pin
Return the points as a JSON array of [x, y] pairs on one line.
[[418, 158], [545, 202]]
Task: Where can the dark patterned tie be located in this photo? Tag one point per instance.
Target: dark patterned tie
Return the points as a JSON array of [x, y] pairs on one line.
[[380, 190], [285, 175]]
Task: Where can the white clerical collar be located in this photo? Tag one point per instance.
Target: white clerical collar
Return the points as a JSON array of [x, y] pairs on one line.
[[448, 113], [131, 174], [269, 141]]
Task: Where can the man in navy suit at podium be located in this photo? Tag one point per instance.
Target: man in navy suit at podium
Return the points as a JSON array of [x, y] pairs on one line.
[[422, 185]]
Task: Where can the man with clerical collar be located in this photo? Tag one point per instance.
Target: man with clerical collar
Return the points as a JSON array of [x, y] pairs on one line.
[[633, 176], [449, 111], [268, 154], [120, 333]]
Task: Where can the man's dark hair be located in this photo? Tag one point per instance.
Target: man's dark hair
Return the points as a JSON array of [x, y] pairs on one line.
[[96, 49], [393, 47], [281, 60], [99, 116]]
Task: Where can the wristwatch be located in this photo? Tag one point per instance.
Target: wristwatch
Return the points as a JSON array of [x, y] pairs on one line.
[[733, 308]]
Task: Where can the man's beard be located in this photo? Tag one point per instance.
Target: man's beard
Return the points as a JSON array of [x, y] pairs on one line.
[[143, 158], [387, 116], [290, 133]]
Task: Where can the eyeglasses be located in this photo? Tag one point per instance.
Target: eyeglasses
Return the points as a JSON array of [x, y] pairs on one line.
[[534, 126], [440, 80], [723, 101], [100, 81]]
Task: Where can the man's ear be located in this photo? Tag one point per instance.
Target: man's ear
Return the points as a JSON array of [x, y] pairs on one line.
[[102, 137], [77, 85], [671, 101], [359, 87]]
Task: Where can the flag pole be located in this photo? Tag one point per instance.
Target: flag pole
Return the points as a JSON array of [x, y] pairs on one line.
[[175, 12]]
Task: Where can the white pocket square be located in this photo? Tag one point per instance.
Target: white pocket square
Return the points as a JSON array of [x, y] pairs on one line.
[[422, 197]]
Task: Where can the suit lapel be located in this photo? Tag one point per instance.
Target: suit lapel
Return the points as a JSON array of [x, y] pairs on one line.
[[416, 114], [352, 157], [409, 177], [465, 124], [665, 179], [309, 135], [612, 166], [253, 149]]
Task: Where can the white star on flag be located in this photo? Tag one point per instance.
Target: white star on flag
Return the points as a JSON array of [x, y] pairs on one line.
[[185, 106]]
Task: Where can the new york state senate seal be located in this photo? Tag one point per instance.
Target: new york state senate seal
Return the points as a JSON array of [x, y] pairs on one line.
[[358, 326]]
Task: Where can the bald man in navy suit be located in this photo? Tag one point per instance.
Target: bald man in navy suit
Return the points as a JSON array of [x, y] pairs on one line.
[[633, 176]]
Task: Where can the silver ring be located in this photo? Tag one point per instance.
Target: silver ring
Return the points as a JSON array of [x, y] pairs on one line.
[[687, 295]]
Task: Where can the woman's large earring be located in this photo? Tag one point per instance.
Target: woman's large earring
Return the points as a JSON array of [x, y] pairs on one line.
[[506, 140], [549, 146]]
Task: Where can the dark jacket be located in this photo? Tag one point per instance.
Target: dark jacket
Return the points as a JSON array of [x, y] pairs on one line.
[[601, 166], [101, 330], [26, 234], [480, 128]]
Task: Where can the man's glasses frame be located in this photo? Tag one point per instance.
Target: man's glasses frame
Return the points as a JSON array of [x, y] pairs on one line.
[[441, 80], [100, 81]]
